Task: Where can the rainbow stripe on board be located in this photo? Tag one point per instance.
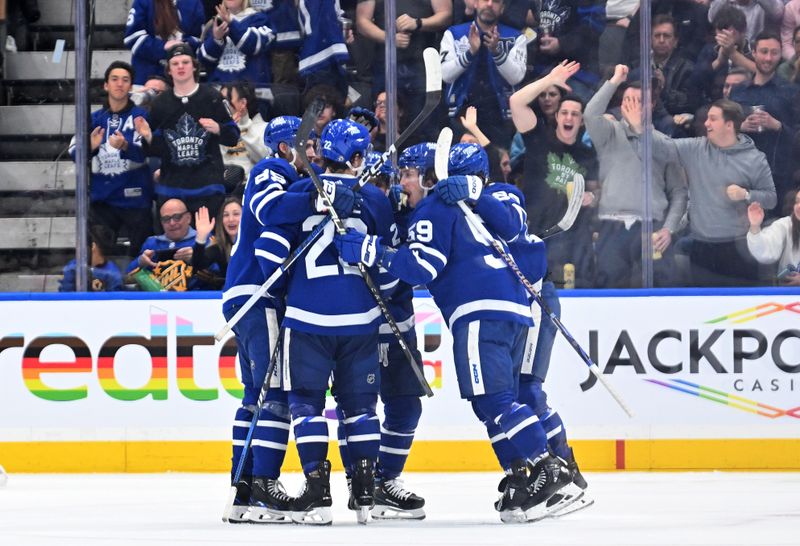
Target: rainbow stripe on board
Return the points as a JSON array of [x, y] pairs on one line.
[[753, 313], [727, 399]]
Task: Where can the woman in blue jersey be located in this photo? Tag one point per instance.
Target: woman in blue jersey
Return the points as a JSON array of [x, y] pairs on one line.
[[154, 26], [235, 46]]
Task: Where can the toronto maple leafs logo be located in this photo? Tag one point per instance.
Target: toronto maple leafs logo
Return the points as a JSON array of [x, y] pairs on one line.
[[187, 143], [554, 14], [231, 60], [561, 170]]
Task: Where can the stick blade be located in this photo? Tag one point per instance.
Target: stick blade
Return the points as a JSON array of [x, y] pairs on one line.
[[307, 123], [433, 70], [226, 513], [442, 153], [575, 191]]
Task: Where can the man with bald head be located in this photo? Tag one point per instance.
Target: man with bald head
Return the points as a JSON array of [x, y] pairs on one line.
[[176, 243]]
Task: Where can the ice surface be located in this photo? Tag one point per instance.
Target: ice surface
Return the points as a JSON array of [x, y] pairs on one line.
[[631, 508]]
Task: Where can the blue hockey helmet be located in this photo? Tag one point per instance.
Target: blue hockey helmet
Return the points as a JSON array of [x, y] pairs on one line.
[[420, 156], [468, 158], [281, 129], [387, 168], [341, 139]]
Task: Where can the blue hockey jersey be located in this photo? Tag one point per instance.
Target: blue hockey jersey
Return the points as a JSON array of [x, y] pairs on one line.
[[147, 49], [528, 252], [284, 21], [120, 178], [243, 54], [325, 295], [398, 294], [465, 278], [323, 41], [254, 244]]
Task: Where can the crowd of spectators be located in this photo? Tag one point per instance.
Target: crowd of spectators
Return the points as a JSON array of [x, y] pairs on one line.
[[550, 87]]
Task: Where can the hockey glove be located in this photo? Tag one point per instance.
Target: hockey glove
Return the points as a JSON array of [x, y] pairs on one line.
[[458, 188], [343, 198], [395, 195], [355, 247]]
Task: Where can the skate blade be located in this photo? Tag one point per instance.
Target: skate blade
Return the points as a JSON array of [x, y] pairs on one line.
[[315, 516], [238, 514], [579, 504], [260, 514], [390, 512], [560, 500]]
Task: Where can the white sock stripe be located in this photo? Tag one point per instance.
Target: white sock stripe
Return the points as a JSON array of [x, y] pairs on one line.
[[385, 430], [311, 439], [364, 438], [315, 419], [527, 422], [269, 445], [394, 450], [241, 424], [355, 418], [554, 432], [283, 425], [238, 442], [548, 415], [342, 442], [497, 437]]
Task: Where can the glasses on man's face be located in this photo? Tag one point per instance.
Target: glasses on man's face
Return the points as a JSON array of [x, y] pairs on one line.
[[173, 217], [380, 103]]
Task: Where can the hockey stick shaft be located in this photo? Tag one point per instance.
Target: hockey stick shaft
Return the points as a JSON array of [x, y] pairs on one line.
[[433, 94], [308, 120], [226, 514]]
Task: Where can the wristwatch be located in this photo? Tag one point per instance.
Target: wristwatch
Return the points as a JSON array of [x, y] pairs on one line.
[[419, 24]]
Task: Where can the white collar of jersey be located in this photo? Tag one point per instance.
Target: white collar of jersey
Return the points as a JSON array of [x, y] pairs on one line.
[[189, 94]]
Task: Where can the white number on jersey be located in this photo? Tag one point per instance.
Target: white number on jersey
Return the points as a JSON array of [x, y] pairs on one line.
[[314, 270]]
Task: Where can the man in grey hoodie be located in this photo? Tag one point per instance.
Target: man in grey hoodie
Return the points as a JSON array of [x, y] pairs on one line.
[[620, 210], [726, 172]]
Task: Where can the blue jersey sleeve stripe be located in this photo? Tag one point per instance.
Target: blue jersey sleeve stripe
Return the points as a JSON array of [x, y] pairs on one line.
[[428, 250], [269, 256], [425, 265], [241, 290], [275, 237]]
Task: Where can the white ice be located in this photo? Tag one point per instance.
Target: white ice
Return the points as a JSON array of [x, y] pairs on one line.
[[631, 508]]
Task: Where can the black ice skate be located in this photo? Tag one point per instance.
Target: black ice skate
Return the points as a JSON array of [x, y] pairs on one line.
[[548, 478], [241, 502], [577, 488], [393, 501], [516, 494], [269, 502], [313, 505], [362, 489]]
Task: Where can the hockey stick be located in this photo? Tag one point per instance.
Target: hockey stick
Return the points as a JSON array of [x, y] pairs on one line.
[[440, 166], [433, 93], [226, 513], [309, 118], [575, 191]]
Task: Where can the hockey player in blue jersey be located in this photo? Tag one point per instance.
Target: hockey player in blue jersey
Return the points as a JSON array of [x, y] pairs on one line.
[[331, 327], [530, 255], [400, 390], [489, 316], [260, 248]]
